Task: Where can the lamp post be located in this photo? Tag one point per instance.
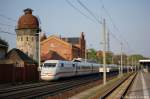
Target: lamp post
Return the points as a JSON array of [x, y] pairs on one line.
[[39, 50], [104, 52], [121, 69]]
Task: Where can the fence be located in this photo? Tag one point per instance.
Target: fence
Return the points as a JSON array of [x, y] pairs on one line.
[[9, 73]]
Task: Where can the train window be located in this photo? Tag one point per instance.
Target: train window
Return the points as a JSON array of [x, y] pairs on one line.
[[49, 64], [73, 65], [62, 64], [78, 67]]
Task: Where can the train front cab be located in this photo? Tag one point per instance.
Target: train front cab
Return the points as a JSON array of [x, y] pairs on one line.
[[48, 71]]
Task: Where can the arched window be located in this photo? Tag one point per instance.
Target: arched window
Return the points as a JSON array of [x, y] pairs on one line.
[[27, 38], [21, 38], [73, 65], [62, 64], [32, 39]]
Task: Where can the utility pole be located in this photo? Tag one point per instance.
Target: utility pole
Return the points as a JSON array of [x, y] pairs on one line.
[[135, 64], [132, 63], [107, 40], [127, 64], [104, 52], [85, 54], [39, 56], [112, 59], [121, 72]]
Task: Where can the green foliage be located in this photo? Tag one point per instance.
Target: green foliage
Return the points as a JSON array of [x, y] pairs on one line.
[[117, 59], [92, 56], [113, 59], [135, 58], [3, 42], [98, 56]]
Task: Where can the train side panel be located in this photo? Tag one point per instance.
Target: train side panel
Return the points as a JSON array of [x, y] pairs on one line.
[[65, 69]]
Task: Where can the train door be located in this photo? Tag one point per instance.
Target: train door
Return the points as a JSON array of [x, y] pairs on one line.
[[76, 68], [92, 67]]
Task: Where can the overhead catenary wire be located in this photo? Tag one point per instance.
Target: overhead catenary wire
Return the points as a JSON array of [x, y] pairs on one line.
[[8, 18], [115, 27], [97, 20], [1, 31], [89, 11], [79, 11], [92, 14], [6, 25]]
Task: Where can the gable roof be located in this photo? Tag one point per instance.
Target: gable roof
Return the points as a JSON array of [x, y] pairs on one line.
[[56, 38], [21, 55]]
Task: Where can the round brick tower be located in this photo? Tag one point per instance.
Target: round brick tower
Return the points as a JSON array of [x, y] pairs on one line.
[[27, 31]]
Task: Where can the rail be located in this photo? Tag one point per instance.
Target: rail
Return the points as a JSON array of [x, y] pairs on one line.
[[39, 90], [119, 89]]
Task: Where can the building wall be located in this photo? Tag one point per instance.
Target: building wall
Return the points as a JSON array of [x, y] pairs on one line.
[[63, 48], [75, 52], [27, 41], [55, 45]]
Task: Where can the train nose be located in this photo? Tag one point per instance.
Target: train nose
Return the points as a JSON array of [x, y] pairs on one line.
[[47, 76]]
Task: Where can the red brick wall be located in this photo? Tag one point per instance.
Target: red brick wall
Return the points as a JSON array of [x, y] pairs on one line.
[[63, 49], [57, 46]]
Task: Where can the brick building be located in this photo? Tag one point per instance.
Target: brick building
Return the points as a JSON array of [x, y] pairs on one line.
[[55, 47]]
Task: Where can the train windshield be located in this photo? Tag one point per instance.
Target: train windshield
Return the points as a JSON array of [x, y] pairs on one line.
[[49, 64]]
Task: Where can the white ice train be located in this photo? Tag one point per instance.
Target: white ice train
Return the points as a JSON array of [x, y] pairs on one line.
[[55, 69]]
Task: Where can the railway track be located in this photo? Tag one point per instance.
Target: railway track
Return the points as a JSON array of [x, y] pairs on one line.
[[33, 85], [119, 89], [45, 88]]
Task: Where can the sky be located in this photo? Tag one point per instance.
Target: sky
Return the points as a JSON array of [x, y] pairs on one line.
[[128, 20]]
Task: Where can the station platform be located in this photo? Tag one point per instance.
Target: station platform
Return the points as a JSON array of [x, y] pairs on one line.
[[141, 87]]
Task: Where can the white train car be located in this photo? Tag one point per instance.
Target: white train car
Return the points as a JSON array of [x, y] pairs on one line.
[[55, 69]]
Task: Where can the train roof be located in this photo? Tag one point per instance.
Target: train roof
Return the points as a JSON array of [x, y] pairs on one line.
[[55, 61], [63, 61], [146, 60]]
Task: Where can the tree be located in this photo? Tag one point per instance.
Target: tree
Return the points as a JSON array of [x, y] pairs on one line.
[[3, 42], [91, 55], [109, 56], [135, 58], [117, 59]]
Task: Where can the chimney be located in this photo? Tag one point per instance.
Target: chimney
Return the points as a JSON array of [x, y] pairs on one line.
[[28, 11], [82, 35]]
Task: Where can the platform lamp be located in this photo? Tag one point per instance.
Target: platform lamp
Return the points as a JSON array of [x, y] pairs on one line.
[[39, 58]]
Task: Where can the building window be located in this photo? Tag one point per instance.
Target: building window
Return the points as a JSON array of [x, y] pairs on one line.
[[27, 38], [21, 39], [32, 39], [73, 65], [62, 64]]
